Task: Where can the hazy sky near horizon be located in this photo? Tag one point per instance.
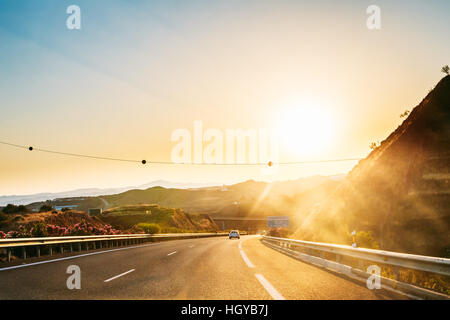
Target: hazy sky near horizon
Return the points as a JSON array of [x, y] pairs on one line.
[[138, 70]]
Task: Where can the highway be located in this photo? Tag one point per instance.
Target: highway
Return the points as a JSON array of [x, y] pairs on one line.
[[193, 269]]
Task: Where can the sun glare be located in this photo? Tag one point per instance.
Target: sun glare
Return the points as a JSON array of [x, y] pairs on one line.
[[306, 129]]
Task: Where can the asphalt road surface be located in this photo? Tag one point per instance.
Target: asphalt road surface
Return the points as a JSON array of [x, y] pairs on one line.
[[208, 268]]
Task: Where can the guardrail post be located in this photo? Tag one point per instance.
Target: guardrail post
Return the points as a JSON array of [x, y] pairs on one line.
[[38, 251], [396, 273], [8, 254], [50, 250], [361, 265], [24, 253], [100, 244], [61, 248], [338, 258], [71, 248], [87, 246], [79, 246]]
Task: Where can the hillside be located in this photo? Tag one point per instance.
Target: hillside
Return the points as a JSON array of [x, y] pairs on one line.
[[56, 223], [249, 198], [170, 220], [92, 192], [122, 219], [401, 191]]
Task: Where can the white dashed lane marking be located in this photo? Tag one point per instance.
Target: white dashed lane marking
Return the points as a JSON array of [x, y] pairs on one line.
[[119, 275], [269, 288]]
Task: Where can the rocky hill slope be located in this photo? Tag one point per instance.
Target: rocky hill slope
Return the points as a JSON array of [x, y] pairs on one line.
[[401, 191]]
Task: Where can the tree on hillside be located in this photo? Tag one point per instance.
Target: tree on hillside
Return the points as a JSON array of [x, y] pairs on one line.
[[404, 114], [45, 208], [374, 145], [446, 69]]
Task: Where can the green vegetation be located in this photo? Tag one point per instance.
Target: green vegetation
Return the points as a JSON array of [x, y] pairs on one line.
[[39, 230], [150, 228], [446, 69], [374, 145], [364, 239], [10, 208], [3, 217], [405, 114], [45, 208], [168, 220], [173, 230]]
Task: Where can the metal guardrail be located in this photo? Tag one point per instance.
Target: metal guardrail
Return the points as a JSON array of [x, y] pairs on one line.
[[89, 242], [434, 265]]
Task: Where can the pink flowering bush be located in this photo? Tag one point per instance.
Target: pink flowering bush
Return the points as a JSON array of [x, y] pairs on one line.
[[51, 230], [80, 229], [22, 233]]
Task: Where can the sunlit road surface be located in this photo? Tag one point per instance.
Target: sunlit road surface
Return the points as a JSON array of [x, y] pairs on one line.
[[209, 268]]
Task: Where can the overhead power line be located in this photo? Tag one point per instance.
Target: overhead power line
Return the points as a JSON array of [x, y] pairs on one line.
[[270, 163]]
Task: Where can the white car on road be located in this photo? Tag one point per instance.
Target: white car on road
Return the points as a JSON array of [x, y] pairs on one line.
[[234, 234]]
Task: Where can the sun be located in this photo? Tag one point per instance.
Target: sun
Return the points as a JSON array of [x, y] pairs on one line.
[[306, 129]]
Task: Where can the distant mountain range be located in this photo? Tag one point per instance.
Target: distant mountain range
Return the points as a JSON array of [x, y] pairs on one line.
[[95, 192]]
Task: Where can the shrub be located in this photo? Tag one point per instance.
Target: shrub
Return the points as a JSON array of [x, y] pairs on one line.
[[150, 228], [10, 208], [374, 145], [364, 239], [45, 208], [3, 217], [171, 230], [42, 229], [278, 232], [39, 230], [21, 233]]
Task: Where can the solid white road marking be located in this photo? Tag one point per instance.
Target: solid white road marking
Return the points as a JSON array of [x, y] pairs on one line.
[[269, 288], [246, 259], [74, 257], [172, 253], [240, 244], [191, 246], [119, 275]]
